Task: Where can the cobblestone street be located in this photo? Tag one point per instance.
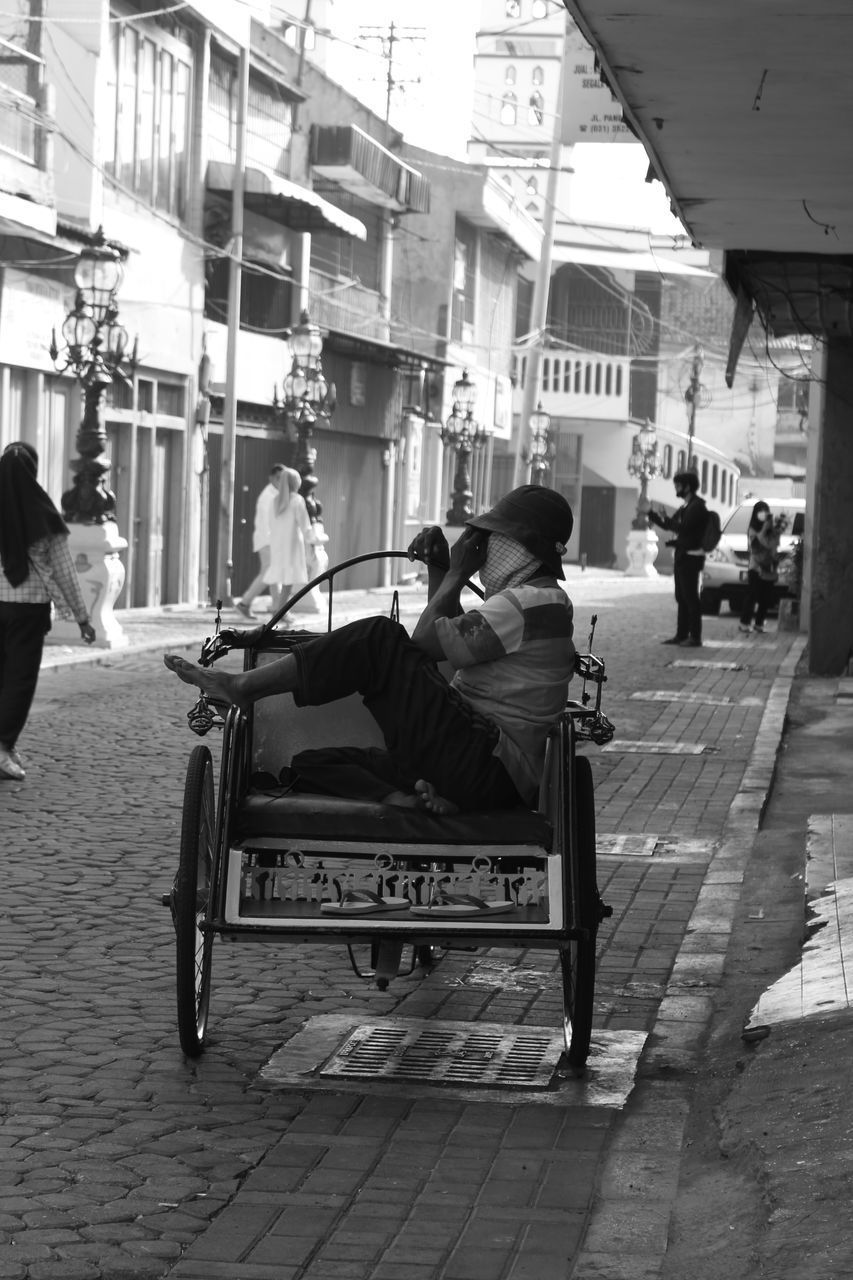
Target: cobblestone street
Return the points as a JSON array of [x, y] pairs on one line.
[[120, 1158]]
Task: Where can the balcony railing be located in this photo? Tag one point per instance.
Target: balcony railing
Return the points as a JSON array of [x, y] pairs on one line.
[[20, 81], [577, 384], [347, 306]]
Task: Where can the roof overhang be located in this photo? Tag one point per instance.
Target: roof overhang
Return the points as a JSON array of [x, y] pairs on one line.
[[378, 352], [490, 204], [349, 157], [744, 110], [284, 201], [625, 249]]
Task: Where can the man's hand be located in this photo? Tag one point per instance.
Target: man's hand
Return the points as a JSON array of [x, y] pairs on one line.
[[469, 552], [431, 547]]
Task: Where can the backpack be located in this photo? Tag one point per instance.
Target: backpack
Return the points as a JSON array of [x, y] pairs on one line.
[[712, 532]]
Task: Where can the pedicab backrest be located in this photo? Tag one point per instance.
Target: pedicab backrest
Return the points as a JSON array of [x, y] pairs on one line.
[[281, 728]]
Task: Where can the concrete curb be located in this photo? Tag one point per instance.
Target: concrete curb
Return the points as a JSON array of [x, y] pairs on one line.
[[629, 1227]]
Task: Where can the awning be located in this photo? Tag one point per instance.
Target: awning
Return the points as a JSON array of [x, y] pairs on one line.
[[386, 353], [283, 201], [348, 156], [626, 260]]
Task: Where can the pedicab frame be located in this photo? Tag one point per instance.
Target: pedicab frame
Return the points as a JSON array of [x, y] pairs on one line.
[[221, 835]]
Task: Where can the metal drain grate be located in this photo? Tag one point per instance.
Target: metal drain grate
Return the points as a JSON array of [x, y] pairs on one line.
[[661, 748], [482, 1053], [714, 666]]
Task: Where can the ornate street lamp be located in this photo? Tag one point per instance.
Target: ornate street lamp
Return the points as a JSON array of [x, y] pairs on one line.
[[307, 397], [644, 464], [96, 352], [541, 452], [462, 433]]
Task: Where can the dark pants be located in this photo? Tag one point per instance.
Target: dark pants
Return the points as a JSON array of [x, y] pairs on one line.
[[430, 731], [687, 571], [761, 593], [23, 628]]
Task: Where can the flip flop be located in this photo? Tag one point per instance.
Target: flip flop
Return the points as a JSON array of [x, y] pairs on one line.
[[447, 905], [362, 902]]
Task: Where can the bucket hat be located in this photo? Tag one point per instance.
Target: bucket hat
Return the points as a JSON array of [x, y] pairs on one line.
[[540, 519]]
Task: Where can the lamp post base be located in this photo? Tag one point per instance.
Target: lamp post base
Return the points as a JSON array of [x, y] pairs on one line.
[[95, 551], [642, 549]]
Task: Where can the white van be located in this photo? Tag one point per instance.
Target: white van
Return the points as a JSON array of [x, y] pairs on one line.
[[724, 576]]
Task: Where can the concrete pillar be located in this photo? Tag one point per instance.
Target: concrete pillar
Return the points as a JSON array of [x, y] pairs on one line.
[[828, 580]]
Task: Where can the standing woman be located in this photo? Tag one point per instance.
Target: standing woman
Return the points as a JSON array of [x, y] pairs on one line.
[[35, 564], [763, 535], [290, 529]]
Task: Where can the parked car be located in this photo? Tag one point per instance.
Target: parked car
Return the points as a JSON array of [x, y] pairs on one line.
[[724, 576]]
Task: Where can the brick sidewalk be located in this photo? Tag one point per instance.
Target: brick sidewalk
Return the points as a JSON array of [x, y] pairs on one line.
[[123, 1160]]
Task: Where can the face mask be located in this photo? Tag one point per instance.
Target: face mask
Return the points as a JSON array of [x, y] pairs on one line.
[[508, 564]]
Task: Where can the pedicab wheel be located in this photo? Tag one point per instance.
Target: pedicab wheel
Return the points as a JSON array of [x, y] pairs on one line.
[[577, 955], [191, 897]]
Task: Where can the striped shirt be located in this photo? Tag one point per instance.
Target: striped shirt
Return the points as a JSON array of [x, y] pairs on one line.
[[513, 658], [51, 566]]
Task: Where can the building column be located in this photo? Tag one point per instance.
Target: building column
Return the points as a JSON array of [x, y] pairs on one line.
[[827, 597]]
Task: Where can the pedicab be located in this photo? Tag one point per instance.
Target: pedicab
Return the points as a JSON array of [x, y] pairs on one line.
[[259, 861]]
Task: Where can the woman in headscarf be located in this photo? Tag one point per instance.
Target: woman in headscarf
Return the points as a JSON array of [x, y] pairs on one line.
[[290, 528], [35, 566]]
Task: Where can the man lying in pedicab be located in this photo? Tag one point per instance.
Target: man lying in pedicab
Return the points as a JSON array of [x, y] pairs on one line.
[[477, 742]]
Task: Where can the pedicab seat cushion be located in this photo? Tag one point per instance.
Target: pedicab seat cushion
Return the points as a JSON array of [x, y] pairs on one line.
[[277, 813]]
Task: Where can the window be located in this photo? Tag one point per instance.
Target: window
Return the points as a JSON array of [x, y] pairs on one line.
[[667, 461], [536, 110], [533, 185], [20, 80], [509, 109], [680, 460], [265, 298], [509, 76], [170, 399], [463, 281], [513, 8], [714, 478], [146, 138], [540, 9], [269, 125], [705, 475], [537, 77]]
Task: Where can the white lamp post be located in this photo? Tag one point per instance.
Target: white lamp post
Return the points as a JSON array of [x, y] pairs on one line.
[[642, 544], [462, 433], [307, 398], [95, 350]]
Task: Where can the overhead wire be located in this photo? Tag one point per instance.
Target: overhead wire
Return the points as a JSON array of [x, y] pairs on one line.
[[208, 249]]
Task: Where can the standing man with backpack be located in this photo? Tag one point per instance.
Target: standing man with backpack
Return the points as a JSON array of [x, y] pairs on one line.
[[689, 525]]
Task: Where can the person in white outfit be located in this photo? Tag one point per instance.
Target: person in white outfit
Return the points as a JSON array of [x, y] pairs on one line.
[[261, 540], [290, 531]]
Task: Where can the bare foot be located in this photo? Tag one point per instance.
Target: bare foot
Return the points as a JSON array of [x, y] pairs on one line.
[[428, 798], [424, 796], [401, 799], [218, 685]]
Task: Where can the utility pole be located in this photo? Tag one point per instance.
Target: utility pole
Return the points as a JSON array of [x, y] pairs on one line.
[[225, 531], [303, 38], [542, 284]]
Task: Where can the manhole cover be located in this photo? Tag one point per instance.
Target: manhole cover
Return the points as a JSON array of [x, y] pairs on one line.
[[482, 1053]]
